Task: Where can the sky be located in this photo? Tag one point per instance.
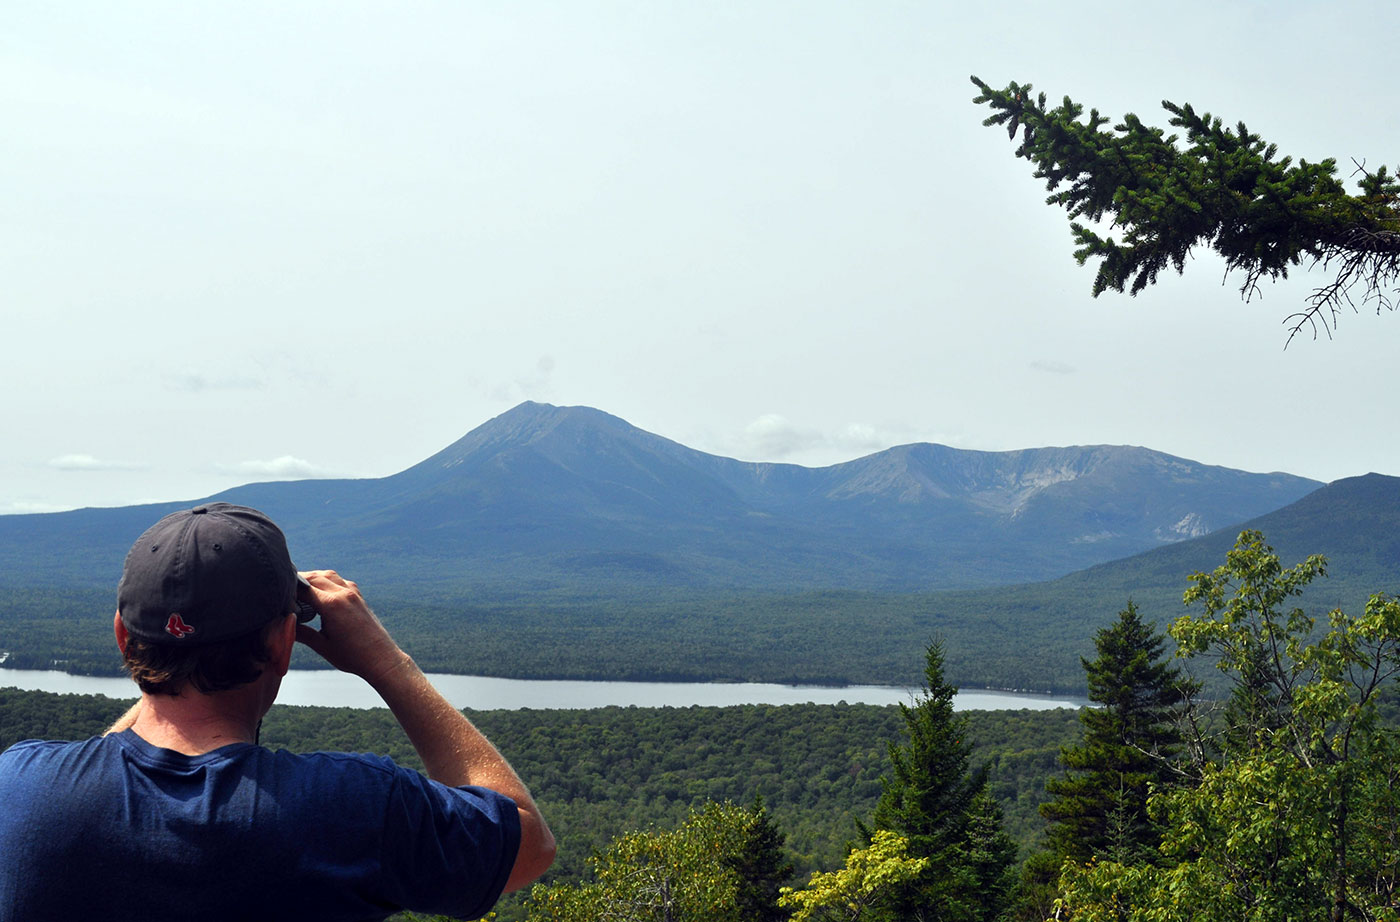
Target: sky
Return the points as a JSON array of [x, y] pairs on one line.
[[277, 240]]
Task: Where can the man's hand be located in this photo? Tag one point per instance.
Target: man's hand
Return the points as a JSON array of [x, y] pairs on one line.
[[351, 637]]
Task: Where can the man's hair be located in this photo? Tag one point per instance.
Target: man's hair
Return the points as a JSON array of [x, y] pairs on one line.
[[165, 669]]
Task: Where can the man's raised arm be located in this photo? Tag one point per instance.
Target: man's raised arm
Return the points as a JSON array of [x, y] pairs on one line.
[[454, 752]]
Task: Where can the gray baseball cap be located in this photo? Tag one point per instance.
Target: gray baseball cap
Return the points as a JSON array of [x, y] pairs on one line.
[[206, 574]]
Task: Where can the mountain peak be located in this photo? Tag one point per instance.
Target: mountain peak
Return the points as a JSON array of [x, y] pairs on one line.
[[523, 424], [572, 494]]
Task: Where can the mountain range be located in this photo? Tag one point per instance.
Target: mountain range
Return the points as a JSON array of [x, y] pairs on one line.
[[561, 542], [552, 497]]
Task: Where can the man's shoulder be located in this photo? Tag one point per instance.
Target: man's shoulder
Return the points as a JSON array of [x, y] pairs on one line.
[[335, 761], [332, 774], [27, 749], [34, 765], [338, 776]]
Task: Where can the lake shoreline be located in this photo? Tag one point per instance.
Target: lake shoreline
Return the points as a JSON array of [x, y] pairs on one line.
[[998, 689], [329, 688]]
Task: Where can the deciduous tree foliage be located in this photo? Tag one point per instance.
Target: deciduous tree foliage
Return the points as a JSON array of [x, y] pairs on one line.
[[724, 864], [1297, 815], [870, 873], [1212, 186]]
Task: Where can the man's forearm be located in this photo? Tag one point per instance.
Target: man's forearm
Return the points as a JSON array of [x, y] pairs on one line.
[[455, 752], [452, 749]]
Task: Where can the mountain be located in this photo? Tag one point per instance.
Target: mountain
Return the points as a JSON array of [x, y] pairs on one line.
[[1354, 523], [573, 498]]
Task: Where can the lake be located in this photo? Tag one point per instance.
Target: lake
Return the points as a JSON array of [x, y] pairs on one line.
[[337, 689]]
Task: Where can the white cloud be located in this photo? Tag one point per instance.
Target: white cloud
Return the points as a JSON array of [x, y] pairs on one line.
[[1053, 367], [863, 438], [82, 462], [773, 437], [283, 468], [21, 507], [534, 384]]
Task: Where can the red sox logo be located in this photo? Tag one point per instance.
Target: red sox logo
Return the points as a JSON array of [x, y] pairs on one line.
[[177, 627]]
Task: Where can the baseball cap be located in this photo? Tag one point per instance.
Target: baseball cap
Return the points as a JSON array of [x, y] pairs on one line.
[[206, 574]]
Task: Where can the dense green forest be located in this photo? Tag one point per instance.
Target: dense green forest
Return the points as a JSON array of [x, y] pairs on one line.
[[1024, 638], [833, 638], [599, 773], [836, 638]]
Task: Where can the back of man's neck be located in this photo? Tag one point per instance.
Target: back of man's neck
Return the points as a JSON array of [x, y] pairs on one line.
[[194, 724]]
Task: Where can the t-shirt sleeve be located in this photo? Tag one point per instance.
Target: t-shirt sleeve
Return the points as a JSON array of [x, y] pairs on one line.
[[448, 849]]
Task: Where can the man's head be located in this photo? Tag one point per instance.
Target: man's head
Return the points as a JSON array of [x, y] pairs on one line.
[[199, 591]]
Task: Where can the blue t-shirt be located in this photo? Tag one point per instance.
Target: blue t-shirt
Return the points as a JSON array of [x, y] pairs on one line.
[[114, 828]]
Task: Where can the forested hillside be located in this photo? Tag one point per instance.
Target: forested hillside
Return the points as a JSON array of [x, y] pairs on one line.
[[1028, 636]]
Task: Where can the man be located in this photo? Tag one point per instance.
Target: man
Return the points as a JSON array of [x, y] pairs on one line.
[[177, 813]]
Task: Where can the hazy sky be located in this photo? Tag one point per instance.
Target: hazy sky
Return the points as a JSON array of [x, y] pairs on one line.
[[255, 240]]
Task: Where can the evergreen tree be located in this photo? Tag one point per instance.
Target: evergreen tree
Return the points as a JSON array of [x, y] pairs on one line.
[[761, 865], [1100, 806], [934, 799], [1224, 188], [989, 857]]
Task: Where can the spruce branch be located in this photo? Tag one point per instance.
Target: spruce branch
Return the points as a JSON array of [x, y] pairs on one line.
[[1220, 187]]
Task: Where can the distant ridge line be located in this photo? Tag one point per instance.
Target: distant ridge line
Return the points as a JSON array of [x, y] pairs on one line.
[[571, 499]]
